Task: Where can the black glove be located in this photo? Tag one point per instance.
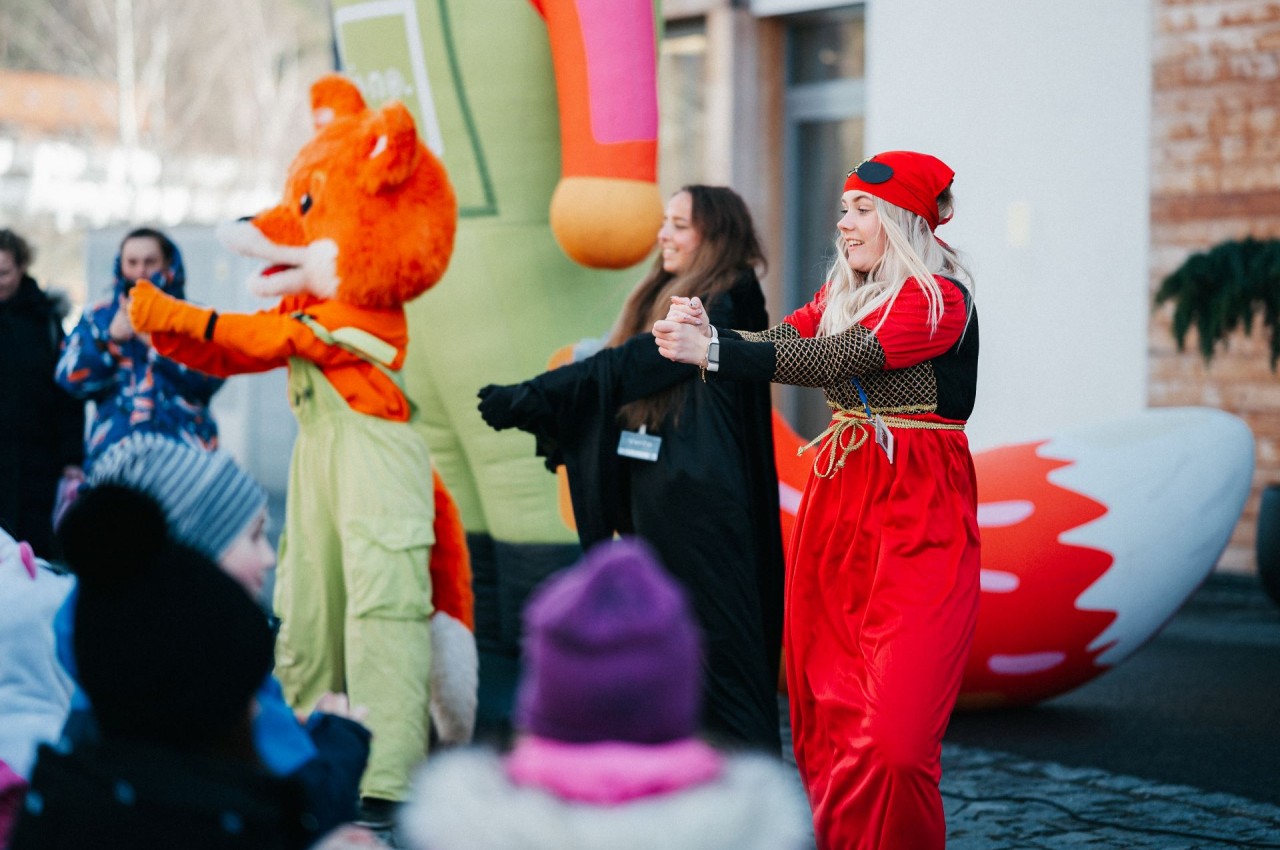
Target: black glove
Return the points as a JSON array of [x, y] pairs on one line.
[[503, 407]]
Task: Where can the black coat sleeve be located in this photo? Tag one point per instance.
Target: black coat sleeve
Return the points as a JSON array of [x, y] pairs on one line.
[[70, 416], [331, 780], [558, 403]]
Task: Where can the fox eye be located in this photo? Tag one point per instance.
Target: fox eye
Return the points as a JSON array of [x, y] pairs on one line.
[[305, 203]]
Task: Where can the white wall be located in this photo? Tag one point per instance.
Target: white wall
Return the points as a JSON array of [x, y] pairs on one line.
[[1042, 109]]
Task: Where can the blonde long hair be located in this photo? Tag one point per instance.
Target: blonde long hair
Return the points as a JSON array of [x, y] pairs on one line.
[[912, 252]]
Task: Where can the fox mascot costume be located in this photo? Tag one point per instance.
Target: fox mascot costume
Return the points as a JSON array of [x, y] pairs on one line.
[[546, 114], [374, 585]]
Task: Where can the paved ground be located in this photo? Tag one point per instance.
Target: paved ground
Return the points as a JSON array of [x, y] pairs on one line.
[[998, 801], [1199, 705], [1001, 801], [1178, 748]]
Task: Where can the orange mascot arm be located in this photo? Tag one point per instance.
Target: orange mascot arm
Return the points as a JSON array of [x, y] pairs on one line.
[[221, 344]]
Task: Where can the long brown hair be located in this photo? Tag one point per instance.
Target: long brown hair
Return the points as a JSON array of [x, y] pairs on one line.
[[729, 246]]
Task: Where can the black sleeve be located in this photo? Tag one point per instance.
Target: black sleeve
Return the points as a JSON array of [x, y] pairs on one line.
[[745, 361], [70, 414], [639, 369], [331, 780], [607, 379]]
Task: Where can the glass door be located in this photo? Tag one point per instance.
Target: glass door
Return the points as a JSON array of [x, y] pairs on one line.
[[825, 108]]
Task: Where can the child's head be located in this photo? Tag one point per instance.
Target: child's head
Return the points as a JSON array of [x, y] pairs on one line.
[[612, 653], [169, 649], [250, 556], [34, 690], [210, 503]]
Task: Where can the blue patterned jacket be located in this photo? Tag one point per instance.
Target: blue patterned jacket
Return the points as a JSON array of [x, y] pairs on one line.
[[131, 386]]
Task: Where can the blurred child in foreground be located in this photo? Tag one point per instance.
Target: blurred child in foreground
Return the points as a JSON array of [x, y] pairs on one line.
[[608, 710], [170, 651], [213, 506]]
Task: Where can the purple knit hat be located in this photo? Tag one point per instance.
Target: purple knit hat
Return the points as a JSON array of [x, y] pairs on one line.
[[611, 653]]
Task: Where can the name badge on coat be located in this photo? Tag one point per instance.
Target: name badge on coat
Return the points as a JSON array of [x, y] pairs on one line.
[[639, 445]]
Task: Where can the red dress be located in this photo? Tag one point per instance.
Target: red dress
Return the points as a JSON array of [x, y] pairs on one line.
[[882, 577]]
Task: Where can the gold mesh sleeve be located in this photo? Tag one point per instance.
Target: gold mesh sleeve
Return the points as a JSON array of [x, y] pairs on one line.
[[782, 330], [827, 361]]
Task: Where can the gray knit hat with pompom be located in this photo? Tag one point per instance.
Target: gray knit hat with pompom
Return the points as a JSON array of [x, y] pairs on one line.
[[208, 500]]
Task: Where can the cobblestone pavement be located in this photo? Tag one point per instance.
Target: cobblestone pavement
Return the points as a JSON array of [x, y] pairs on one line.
[[997, 801]]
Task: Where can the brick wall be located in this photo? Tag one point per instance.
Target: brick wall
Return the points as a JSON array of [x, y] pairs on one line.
[[1215, 176]]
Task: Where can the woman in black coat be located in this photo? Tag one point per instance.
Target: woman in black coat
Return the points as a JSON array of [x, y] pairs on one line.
[[691, 472], [41, 426]]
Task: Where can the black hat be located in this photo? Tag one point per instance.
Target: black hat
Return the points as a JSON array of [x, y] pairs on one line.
[[168, 647]]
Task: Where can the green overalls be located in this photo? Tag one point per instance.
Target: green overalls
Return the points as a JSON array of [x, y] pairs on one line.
[[353, 591]]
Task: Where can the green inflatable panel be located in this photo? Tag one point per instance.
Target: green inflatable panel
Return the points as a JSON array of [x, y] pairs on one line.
[[481, 79]]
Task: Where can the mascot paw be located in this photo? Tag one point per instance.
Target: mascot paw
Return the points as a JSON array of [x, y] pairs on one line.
[[145, 299], [151, 310]]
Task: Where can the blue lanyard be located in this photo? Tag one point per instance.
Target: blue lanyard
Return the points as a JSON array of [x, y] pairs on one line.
[[857, 385]]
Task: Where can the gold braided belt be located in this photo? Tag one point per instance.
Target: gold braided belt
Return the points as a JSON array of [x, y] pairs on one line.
[[842, 442]]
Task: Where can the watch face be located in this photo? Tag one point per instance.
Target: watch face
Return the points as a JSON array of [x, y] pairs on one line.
[[713, 350]]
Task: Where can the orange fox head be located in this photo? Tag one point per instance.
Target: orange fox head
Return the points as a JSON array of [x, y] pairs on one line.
[[368, 214]]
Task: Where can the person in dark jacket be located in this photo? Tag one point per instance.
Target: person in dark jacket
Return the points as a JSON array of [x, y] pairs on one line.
[[41, 426], [132, 387], [641, 451]]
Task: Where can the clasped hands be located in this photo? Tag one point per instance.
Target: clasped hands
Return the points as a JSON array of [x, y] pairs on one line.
[[683, 336]]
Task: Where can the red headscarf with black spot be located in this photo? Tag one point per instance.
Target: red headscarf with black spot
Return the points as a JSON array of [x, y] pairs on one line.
[[906, 179]]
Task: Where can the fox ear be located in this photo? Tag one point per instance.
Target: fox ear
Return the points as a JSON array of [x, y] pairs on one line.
[[334, 96], [394, 152]]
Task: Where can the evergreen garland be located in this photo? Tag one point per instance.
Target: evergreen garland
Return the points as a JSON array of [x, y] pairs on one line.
[[1222, 289]]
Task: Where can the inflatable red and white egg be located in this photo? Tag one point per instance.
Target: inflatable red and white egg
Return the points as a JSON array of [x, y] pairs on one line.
[[1091, 540]]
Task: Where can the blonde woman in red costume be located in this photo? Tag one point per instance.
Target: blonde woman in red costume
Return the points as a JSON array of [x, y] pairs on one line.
[[882, 576]]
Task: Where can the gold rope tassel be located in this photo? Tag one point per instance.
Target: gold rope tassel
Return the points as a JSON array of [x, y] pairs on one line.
[[839, 427], [843, 421]]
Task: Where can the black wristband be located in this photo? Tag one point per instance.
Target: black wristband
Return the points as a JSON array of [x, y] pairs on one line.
[[213, 321]]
